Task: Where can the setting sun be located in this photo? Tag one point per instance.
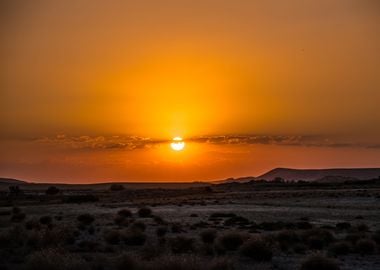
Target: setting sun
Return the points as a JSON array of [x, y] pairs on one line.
[[178, 144]]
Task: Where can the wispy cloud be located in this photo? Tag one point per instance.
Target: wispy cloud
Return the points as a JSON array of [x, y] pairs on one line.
[[135, 142]]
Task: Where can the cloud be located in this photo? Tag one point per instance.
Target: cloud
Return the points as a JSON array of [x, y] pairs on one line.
[[130, 143]]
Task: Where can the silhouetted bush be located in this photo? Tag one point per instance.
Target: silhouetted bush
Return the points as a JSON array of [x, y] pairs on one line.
[[112, 237], [318, 238], [80, 198], [52, 190], [182, 244], [231, 240], [343, 226], [365, 247], [86, 219], [116, 187], [144, 212], [125, 213], [287, 238], [257, 249], [138, 225], [319, 262], [18, 217], [161, 231], [46, 220], [134, 237], [208, 236], [340, 248]]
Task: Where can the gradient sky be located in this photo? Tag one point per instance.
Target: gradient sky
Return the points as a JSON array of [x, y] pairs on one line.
[[94, 90]]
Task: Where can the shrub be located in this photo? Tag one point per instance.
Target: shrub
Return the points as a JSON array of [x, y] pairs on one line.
[[237, 220], [134, 237], [208, 236], [144, 212], [182, 244], [32, 224], [221, 264], [161, 231], [80, 198], [362, 228], [86, 219], [319, 262], [340, 248], [138, 225], [18, 217], [112, 237], [231, 240], [257, 249], [125, 213], [365, 247], [177, 228], [52, 190], [376, 237], [287, 238], [343, 226], [116, 187], [46, 220], [318, 238]]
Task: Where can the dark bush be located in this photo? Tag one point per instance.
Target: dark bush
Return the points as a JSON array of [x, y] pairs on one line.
[[52, 190], [231, 240], [116, 187], [134, 237], [222, 215], [144, 212], [257, 249], [86, 219], [138, 225], [182, 244], [365, 247], [208, 236], [287, 239], [32, 224], [46, 220], [80, 198], [319, 262], [343, 226], [238, 220], [112, 237], [18, 217], [340, 248], [125, 213], [318, 238], [161, 231]]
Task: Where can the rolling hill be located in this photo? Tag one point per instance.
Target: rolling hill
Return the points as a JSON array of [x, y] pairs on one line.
[[321, 174]]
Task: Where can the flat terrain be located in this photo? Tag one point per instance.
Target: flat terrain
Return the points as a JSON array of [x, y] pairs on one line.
[[230, 226]]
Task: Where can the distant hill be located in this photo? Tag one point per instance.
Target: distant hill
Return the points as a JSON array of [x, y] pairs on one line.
[[323, 175], [235, 180], [11, 181]]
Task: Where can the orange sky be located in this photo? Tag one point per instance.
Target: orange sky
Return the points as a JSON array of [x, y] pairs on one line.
[[93, 91]]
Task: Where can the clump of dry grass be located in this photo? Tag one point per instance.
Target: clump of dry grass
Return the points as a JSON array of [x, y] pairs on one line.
[[134, 237], [257, 248], [182, 244], [144, 212], [208, 236], [231, 240], [112, 237], [86, 219], [340, 248], [365, 247]]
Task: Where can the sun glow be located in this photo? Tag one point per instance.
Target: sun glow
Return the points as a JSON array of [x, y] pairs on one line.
[[178, 144]]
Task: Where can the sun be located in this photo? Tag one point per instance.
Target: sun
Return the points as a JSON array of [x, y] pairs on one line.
[[178, 144]]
